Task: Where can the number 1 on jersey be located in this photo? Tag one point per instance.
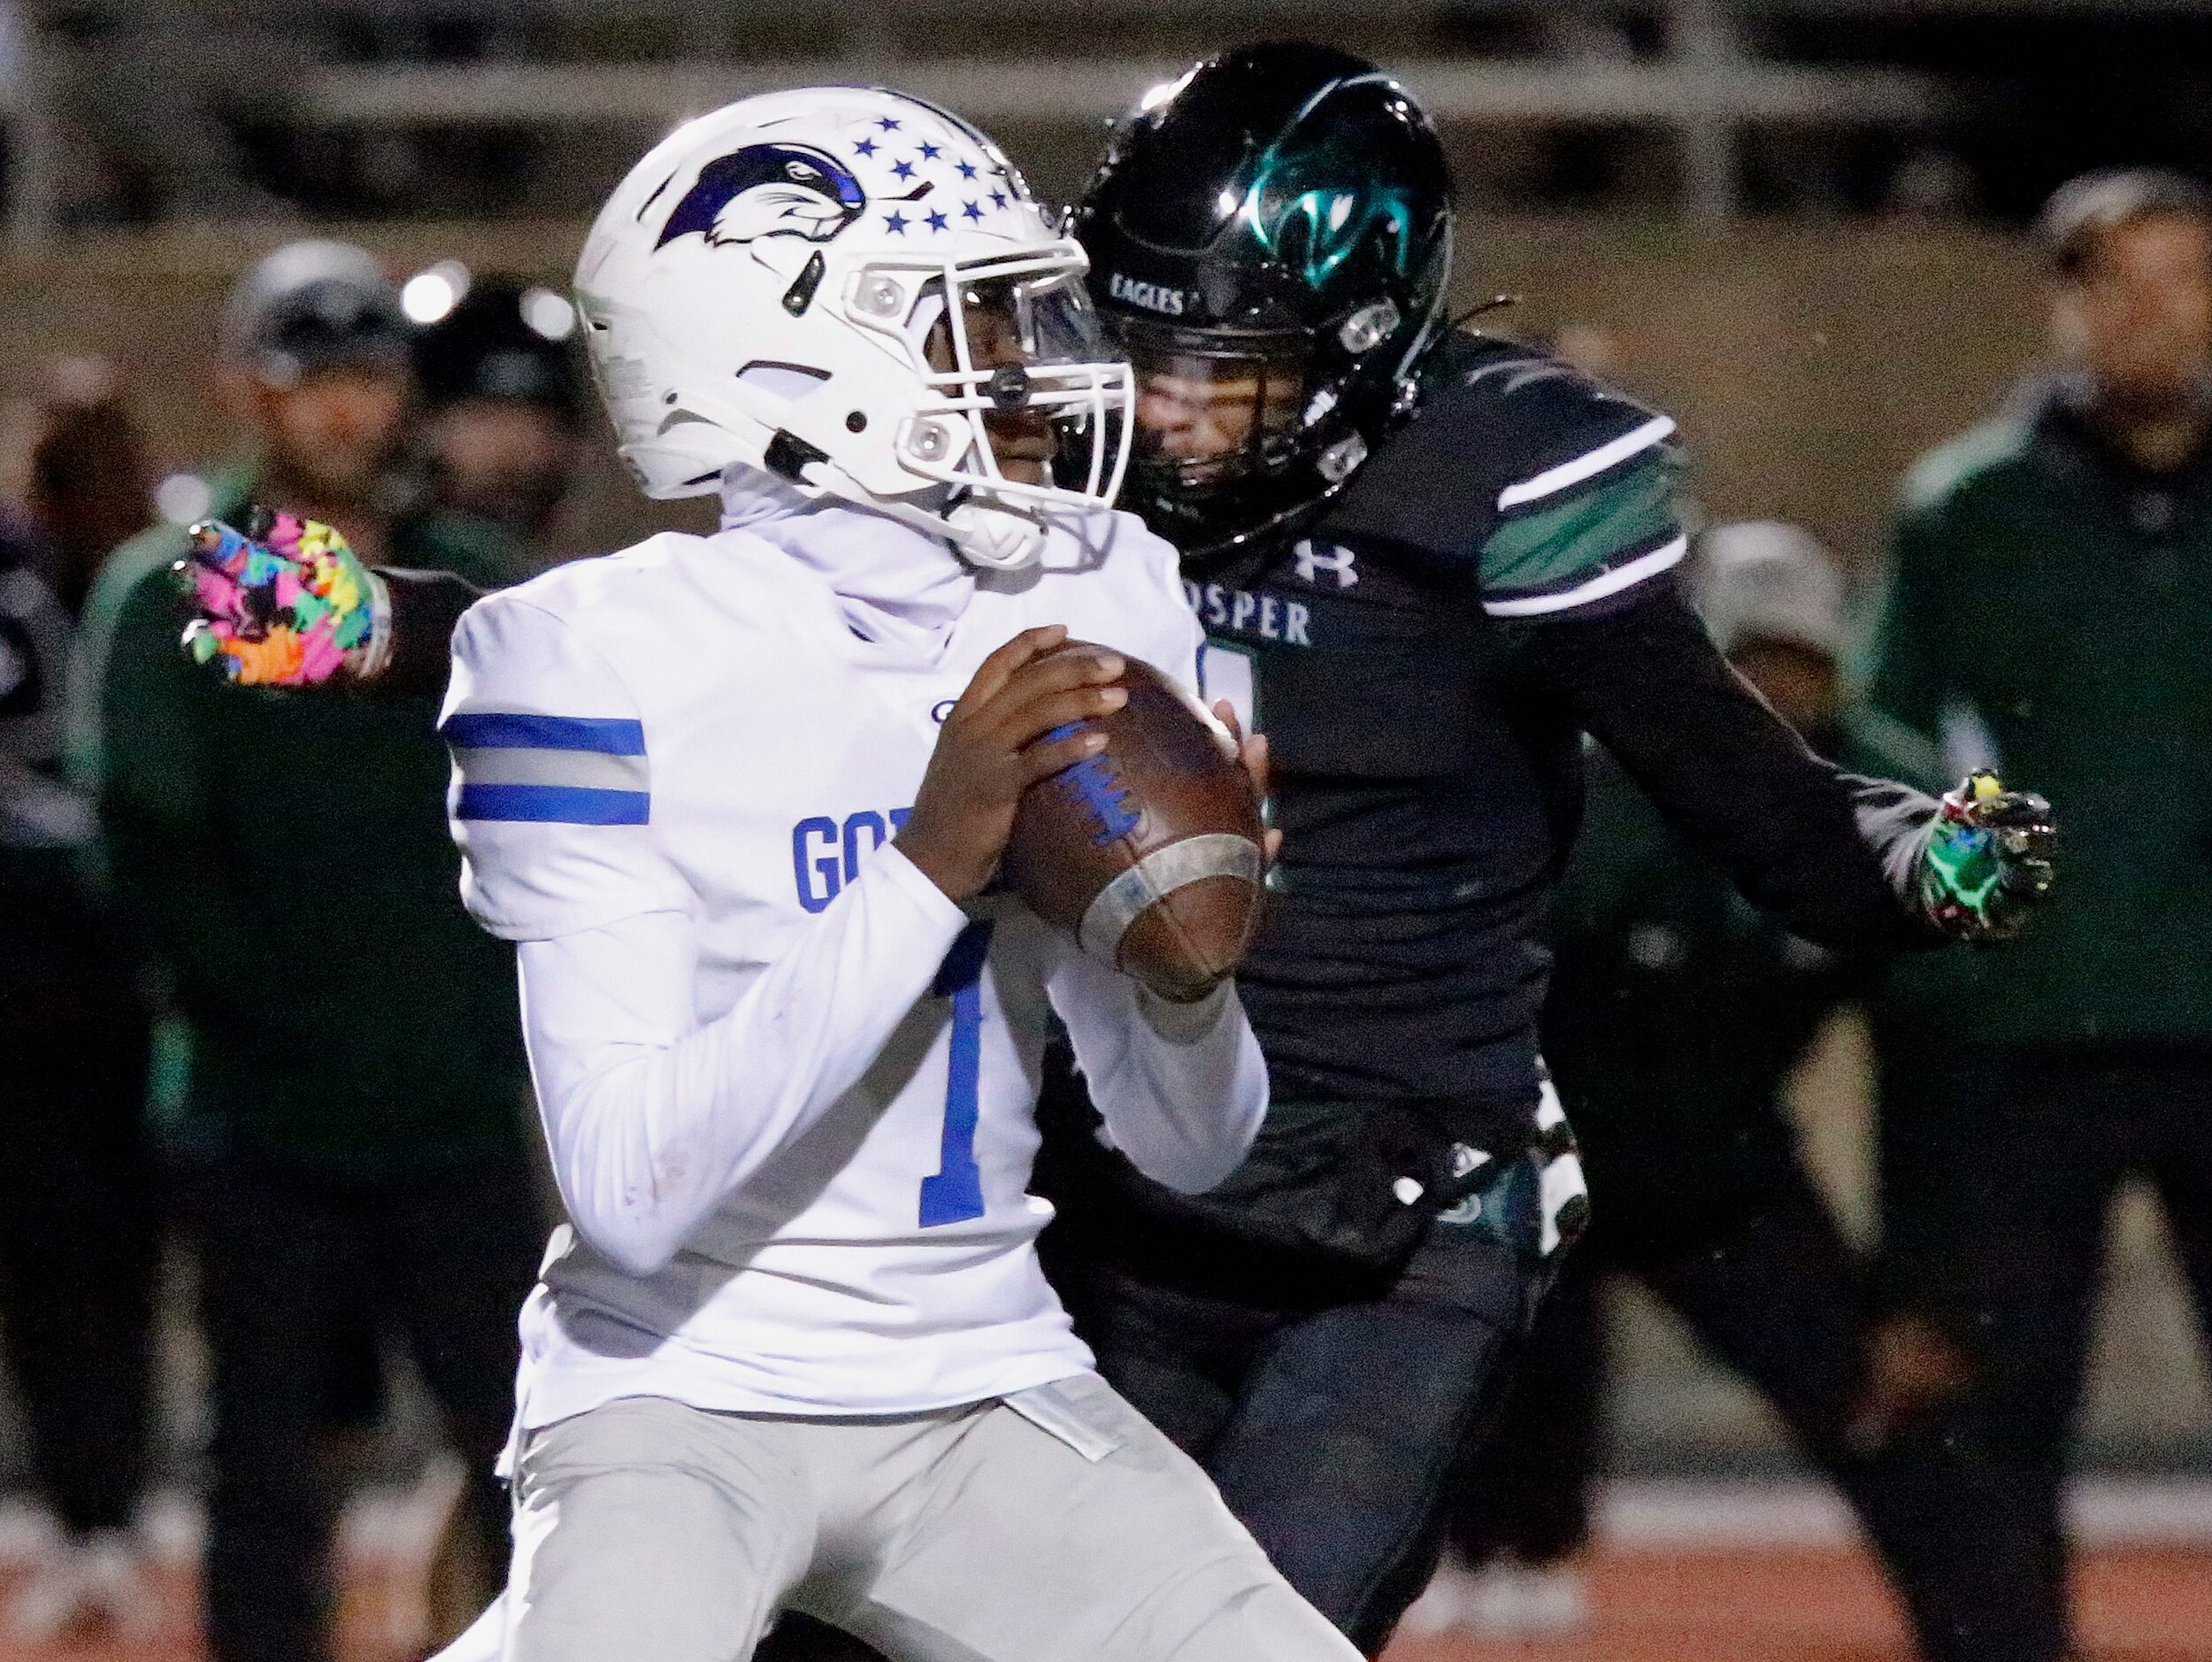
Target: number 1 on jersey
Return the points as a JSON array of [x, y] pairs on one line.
[[955, 1193]]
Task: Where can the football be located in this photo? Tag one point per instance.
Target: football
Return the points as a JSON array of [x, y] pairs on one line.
[[1149, 852]]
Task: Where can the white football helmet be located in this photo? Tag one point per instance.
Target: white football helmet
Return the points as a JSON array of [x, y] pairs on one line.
[[854, 291]]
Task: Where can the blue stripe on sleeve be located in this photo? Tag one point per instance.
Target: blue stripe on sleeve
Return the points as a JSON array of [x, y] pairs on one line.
[[489, 729], [553, 805]]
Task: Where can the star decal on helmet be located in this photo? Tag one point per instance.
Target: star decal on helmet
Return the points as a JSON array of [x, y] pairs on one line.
[[895, 223]]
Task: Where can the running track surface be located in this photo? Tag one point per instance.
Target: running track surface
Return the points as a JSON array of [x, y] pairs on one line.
[[1651, 1604]]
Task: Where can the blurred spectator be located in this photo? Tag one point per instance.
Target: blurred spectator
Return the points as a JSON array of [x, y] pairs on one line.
[[91, 477], [1676, 1014], [2049, 614], [77, 1206], [351, 1145], [503, 392]]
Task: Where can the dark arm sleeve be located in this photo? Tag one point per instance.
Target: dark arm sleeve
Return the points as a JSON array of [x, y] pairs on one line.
[[1829, 853], [425, 606]]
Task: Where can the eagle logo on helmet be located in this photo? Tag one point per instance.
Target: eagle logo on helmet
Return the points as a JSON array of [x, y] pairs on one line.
[[767, 190]]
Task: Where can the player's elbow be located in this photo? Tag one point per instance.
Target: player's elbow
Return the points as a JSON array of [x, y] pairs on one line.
[[635, 1245], [1191, 1159], [624, 1187], [1194, 1168]]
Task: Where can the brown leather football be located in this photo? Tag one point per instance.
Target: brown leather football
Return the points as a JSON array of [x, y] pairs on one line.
[[1149, 852]]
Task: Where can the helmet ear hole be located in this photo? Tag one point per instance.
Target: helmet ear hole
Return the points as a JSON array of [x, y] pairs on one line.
[[787, 381]]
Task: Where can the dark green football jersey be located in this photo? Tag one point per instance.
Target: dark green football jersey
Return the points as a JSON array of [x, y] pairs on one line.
[[1426, 795]]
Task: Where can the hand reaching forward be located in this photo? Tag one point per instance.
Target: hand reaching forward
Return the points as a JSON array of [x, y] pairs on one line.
[[1986, 865], [285, 602]]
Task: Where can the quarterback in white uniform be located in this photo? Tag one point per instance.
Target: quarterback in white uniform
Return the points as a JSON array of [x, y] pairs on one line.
[[738, 799]]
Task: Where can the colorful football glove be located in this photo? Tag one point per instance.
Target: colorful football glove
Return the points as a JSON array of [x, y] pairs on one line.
[[1986, 863], [284, 602]]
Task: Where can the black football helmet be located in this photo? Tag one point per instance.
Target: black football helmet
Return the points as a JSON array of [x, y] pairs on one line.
[[507, 340], [1270, 238]]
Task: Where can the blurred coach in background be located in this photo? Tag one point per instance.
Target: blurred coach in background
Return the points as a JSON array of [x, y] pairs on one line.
[[351, 1150], [2051, 610]]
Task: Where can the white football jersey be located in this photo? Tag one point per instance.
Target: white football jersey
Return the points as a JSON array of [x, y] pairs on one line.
[[691, 741]]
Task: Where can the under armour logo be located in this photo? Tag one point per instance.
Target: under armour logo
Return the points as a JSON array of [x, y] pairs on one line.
[[1336, 561]]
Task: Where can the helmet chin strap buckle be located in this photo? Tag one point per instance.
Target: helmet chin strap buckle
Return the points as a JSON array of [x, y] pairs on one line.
[[1336, 463], [994, 537]]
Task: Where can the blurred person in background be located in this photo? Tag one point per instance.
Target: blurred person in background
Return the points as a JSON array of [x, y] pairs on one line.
[[2050, 609], [78, 1228], [503, 387], [351, 1145], [1678, 1012], [90, 477]]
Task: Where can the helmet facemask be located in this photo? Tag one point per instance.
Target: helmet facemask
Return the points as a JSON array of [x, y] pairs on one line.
[[1215, 408], [1022, 409]]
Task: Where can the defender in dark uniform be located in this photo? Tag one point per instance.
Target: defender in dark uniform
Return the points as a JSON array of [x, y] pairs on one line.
[[1428, 563]]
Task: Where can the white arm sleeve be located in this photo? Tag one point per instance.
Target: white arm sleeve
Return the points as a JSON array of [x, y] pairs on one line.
[[653, 1120], [1182, 1088]]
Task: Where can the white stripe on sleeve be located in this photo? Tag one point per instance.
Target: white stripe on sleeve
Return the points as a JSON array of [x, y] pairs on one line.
[[1609, 583], [1587, 466]]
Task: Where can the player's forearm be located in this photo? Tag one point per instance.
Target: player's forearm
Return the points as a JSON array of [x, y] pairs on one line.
[[653, 1123], [1827, 852], [1182, 1088]]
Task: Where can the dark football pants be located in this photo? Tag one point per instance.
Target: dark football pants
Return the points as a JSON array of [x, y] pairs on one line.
[[1773, 1291], [1997, 1191], [78, 1239], [290, 1267], [1332, 1424]]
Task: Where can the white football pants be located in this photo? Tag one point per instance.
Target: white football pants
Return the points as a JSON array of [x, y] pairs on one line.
[[1052, 1525]]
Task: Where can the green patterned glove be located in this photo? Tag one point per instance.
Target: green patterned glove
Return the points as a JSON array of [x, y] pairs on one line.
[[1986, 863]]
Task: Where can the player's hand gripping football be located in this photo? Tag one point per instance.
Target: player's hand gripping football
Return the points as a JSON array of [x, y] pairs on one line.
[[284, 602], [1000, 739], [1986, 864], [1252, 752]]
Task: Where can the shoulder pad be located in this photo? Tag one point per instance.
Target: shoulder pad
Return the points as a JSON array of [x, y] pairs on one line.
[[1500, 425]]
